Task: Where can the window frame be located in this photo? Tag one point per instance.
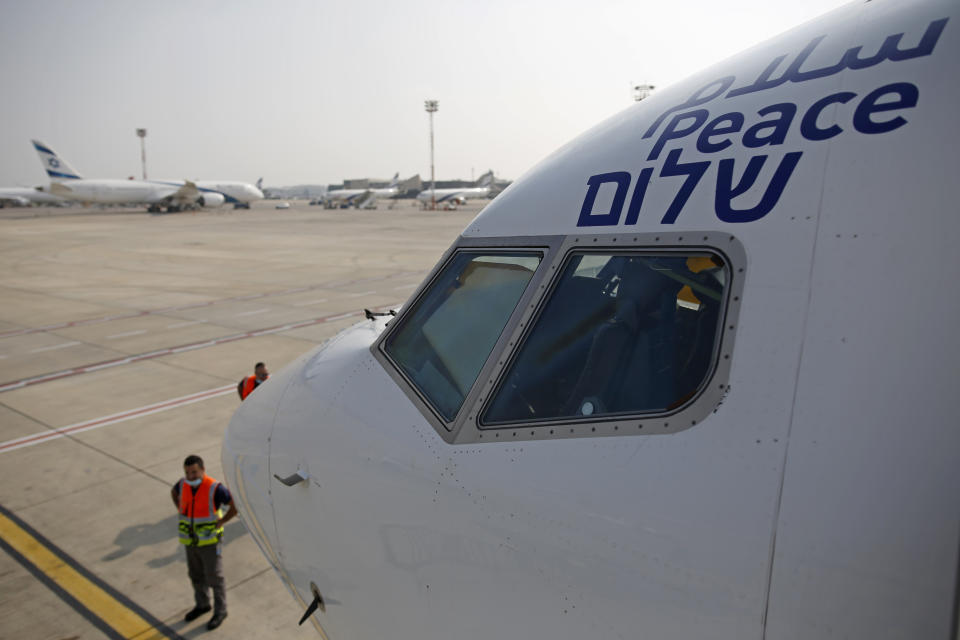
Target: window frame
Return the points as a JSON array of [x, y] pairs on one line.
[[467, 428], [447, 428]]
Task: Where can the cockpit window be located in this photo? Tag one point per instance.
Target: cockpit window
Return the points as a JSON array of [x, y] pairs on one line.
[[622, 333], [442, 344]]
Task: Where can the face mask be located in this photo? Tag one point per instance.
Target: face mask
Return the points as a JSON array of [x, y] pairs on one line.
[[195, 483]]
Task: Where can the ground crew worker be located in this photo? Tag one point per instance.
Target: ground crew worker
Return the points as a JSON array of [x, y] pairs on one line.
[[200, 500], [248, 384]]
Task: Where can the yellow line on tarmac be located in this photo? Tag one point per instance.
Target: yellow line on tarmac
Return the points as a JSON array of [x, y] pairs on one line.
[[101, 604]]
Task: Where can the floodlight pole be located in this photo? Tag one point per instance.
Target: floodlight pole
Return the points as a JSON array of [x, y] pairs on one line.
[[431, 107], [142, 133]]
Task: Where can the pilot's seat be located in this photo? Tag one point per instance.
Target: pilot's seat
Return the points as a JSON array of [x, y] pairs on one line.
[[629, 364]]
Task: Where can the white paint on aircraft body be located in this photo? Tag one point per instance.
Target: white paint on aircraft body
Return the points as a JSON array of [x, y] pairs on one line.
[[464, 194], [340, 195], [818, 499], [23, 196], [67, 183], [234, 191], [111, 191], [362, 198], [459, 195]]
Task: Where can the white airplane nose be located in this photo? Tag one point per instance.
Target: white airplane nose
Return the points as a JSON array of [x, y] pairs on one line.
[[246, 456]]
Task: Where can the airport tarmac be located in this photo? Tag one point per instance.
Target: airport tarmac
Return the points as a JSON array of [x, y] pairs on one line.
[[122, 338]]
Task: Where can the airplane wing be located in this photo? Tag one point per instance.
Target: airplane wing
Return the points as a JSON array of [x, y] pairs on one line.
[[60, 189], [187, 193]]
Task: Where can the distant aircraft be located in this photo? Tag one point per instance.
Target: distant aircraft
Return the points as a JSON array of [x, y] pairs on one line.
[[458, 196], [693, 376], [172, 195], [240, 194], [25, 196], [12, 199], [361, 198]]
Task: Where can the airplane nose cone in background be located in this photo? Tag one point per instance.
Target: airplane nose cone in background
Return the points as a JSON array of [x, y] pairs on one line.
[[245, 456]]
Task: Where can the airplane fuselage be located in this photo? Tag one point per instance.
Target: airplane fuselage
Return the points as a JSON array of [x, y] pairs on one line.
[[25, 195], [111, 191], [690, 377], [233, 191], [444, 195], [175, 195], [351, 196]]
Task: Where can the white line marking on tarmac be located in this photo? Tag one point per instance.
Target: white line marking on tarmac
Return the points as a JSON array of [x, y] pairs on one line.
[[253, 313], [194, 305], [105, 365], [179, 325], [357, 295], [309, 302], [62, 345], [405, 286], [96, 423], [126, 334], [48, 377]]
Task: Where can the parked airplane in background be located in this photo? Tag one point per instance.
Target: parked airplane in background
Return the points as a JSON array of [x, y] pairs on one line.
[[172, 195], [240, 194], [361, 198], [8, 199], [25, 196], [693, 376], [458, 196]]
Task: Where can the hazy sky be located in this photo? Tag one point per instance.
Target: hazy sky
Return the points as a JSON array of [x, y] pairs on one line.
[[317, 91]]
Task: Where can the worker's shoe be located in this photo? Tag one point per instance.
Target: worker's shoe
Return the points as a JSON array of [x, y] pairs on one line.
[[195, 613], [216, 620]]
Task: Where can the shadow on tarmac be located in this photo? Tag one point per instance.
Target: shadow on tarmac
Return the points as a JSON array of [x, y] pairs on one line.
[[144, 535]]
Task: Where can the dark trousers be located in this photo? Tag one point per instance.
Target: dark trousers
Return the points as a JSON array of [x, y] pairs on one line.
[[205, 566]]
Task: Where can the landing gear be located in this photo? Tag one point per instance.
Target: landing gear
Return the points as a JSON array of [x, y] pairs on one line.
[[154, 208], [241, 205]]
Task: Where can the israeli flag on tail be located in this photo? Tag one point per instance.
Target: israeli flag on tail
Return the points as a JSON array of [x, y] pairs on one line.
[[57, 168]]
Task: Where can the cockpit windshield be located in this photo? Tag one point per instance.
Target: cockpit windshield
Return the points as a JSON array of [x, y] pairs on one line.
[[442, 343], [622, 333]]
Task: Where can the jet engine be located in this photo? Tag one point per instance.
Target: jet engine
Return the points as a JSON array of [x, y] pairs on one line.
[[211, 199]]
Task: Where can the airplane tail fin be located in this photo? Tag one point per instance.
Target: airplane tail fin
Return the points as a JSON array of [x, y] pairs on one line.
[[57, 168], [395, 181], [486, 180], [260, 184]]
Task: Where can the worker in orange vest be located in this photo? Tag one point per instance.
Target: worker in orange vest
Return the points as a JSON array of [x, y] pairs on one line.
[[200, 500], [248, 384]]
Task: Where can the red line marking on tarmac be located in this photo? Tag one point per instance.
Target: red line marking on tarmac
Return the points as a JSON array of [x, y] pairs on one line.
[[57, 375], [96, 423], [194, 305]]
